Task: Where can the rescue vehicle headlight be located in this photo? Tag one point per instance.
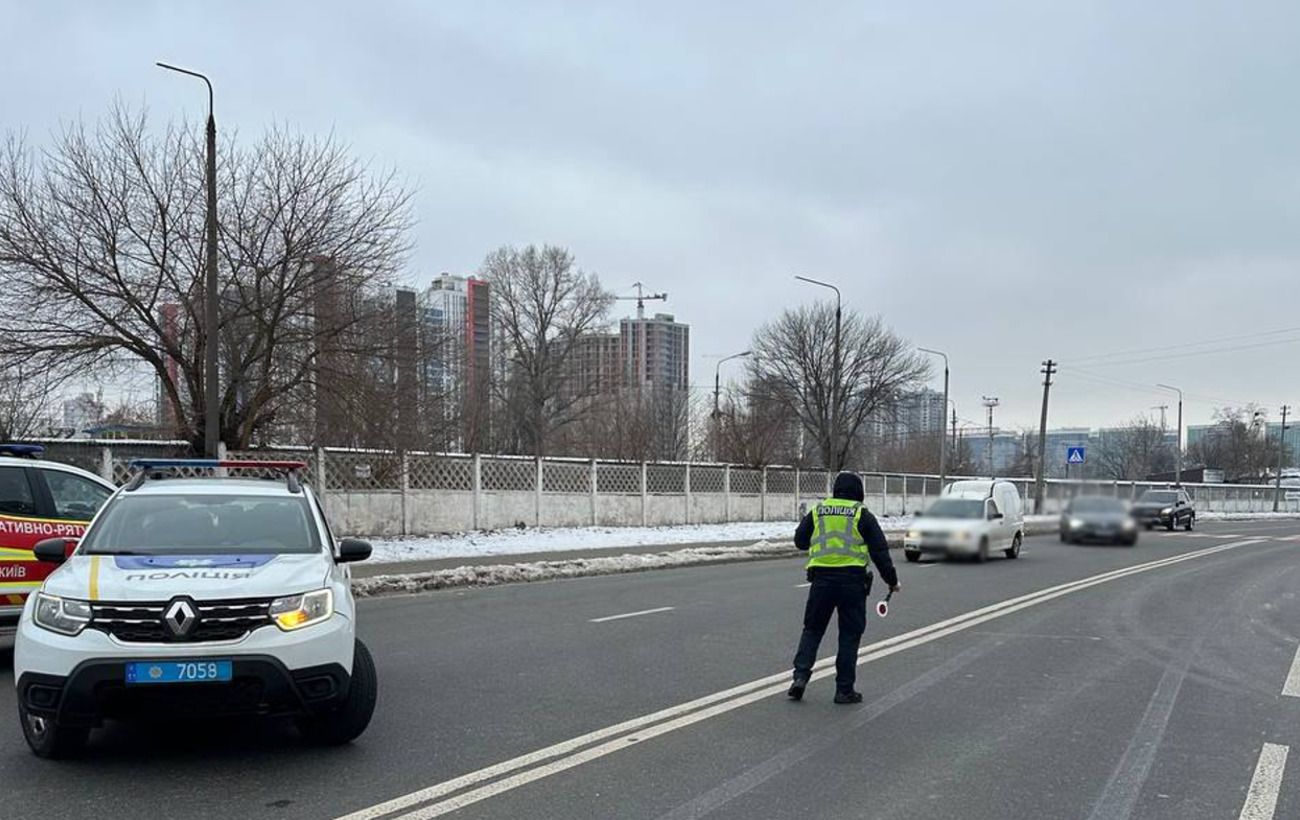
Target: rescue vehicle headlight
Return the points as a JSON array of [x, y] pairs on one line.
[[62, 615], [296, 611]]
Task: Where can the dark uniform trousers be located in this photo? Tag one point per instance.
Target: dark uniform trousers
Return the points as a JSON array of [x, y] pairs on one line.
[[842, 590]]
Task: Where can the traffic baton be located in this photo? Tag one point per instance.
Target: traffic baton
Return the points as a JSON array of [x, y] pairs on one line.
[[882, 608]]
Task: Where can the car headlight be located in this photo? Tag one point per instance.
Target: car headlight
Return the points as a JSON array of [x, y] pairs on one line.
[[1129, 524], [1167, 511], [913, 533], [62, 615], [1076, 523], [297, 611], [961, 535]]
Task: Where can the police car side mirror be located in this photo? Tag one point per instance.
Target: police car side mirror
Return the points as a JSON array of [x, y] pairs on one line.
[[353, 549], [51, 550]]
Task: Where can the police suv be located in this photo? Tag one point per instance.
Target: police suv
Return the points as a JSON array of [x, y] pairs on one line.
[[198, 596]]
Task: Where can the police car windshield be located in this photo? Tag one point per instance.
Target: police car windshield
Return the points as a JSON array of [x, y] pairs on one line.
[[203, 524], [956, 508]]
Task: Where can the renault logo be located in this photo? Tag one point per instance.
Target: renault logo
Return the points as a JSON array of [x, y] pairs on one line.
[[180, 617]]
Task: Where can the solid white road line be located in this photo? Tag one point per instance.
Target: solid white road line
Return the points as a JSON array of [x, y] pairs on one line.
[[1291, 688], [1261, 798], [631, 614], [570, 753], [804, 585]]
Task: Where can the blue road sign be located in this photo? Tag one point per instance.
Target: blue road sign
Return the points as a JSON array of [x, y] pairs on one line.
[[1076, 455]]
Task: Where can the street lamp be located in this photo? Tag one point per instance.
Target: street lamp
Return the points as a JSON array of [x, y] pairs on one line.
[[1178, 461], [943, 437], [211, 427], [835, 368], [717, 391]]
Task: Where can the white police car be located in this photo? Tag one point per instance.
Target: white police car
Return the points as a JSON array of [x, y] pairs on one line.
[[206, 596]]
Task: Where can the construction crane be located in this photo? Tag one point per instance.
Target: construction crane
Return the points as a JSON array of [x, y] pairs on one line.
[[641, 298]]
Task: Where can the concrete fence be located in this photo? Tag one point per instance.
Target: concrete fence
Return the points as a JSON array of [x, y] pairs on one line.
[[383, 493]]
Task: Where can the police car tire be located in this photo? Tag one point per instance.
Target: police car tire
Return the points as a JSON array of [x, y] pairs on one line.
[[1191, 522], [912, 557], [346, 723], [55, 742]]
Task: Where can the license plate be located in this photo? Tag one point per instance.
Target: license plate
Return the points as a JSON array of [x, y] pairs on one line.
[[179, 671]]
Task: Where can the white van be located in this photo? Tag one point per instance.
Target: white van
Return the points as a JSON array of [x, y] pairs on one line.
[[970, 518]]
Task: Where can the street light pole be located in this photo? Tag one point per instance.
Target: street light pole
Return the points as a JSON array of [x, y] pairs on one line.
[[1281, 450], [717, 391], [1178, 460], [211, 387], [835, 369], [943, 435]]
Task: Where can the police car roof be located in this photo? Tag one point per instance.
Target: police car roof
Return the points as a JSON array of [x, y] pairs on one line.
[[12, 461], [213, 486]]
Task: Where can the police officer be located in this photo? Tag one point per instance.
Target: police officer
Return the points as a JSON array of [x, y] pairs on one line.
[[839, 535]]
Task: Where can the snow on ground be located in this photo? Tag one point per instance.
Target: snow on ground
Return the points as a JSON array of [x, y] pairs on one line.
[[514, 542]]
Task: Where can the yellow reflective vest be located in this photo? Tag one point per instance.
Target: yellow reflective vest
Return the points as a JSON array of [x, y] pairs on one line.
[[836, 541]]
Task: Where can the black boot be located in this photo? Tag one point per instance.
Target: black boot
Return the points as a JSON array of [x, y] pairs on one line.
[[848, 697], [796, 688]]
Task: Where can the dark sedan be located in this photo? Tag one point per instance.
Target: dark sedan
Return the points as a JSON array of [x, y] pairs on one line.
[[1166, 508], [1098, 518]]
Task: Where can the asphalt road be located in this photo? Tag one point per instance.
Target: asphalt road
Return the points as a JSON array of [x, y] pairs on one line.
[[1150, 690]]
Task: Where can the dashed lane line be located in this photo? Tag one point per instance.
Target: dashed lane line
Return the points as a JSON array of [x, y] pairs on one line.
[[1291, 688], [1266, 784], [632, 614]]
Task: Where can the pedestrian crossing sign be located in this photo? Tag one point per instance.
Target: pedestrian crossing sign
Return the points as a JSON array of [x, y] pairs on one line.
[[1076, 455]]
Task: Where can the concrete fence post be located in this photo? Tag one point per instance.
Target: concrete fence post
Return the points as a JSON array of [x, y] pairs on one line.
[[476, 489], [591, 480], [687, 487], [106, 464], [405, 470], [726, 494], [319, 477], [884, 493], [903, 510], [762, 496], [796, 492], [645, 496], [537, 494]]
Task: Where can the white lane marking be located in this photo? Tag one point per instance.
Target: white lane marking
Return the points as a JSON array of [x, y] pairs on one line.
[[1261, 798], [631, 614], [1291, 688], [636, 730]]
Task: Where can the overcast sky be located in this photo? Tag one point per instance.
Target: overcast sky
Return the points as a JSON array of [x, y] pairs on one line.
[[1003, 181]]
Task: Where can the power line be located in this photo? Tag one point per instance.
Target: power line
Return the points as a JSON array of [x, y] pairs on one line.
[[1193, 353], [1185, 345]]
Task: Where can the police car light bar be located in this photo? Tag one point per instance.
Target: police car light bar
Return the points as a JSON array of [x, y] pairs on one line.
[[143, 466], [22, 450]]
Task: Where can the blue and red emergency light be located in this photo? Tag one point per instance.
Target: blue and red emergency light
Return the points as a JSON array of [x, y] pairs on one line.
[[22, 450]]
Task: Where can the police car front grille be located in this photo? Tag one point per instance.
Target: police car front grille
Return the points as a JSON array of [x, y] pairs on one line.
[[142, 622]]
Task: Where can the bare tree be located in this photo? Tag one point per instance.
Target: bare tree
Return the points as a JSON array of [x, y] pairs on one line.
[[796, 352], [1237, 444], [27, 401], [541, 304], [1133, 452], [101, 261]]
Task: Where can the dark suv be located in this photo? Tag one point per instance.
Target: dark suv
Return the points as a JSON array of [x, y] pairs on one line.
[[1170, 508]]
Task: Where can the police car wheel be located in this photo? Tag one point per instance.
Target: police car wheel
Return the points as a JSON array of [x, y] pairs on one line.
[[1191, 522], [912, 557], [346, 723], [49, 740]]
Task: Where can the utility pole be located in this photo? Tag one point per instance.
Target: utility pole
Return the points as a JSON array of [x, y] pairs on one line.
[[954, 430], [1049, 370], [211, 386], [1162, 408], [1178, 453], [1281, 449], [943, 440], [990, 402]]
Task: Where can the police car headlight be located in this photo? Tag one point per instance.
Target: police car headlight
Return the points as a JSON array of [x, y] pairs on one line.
[[913, 534], [297, 611], [62, 615]]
